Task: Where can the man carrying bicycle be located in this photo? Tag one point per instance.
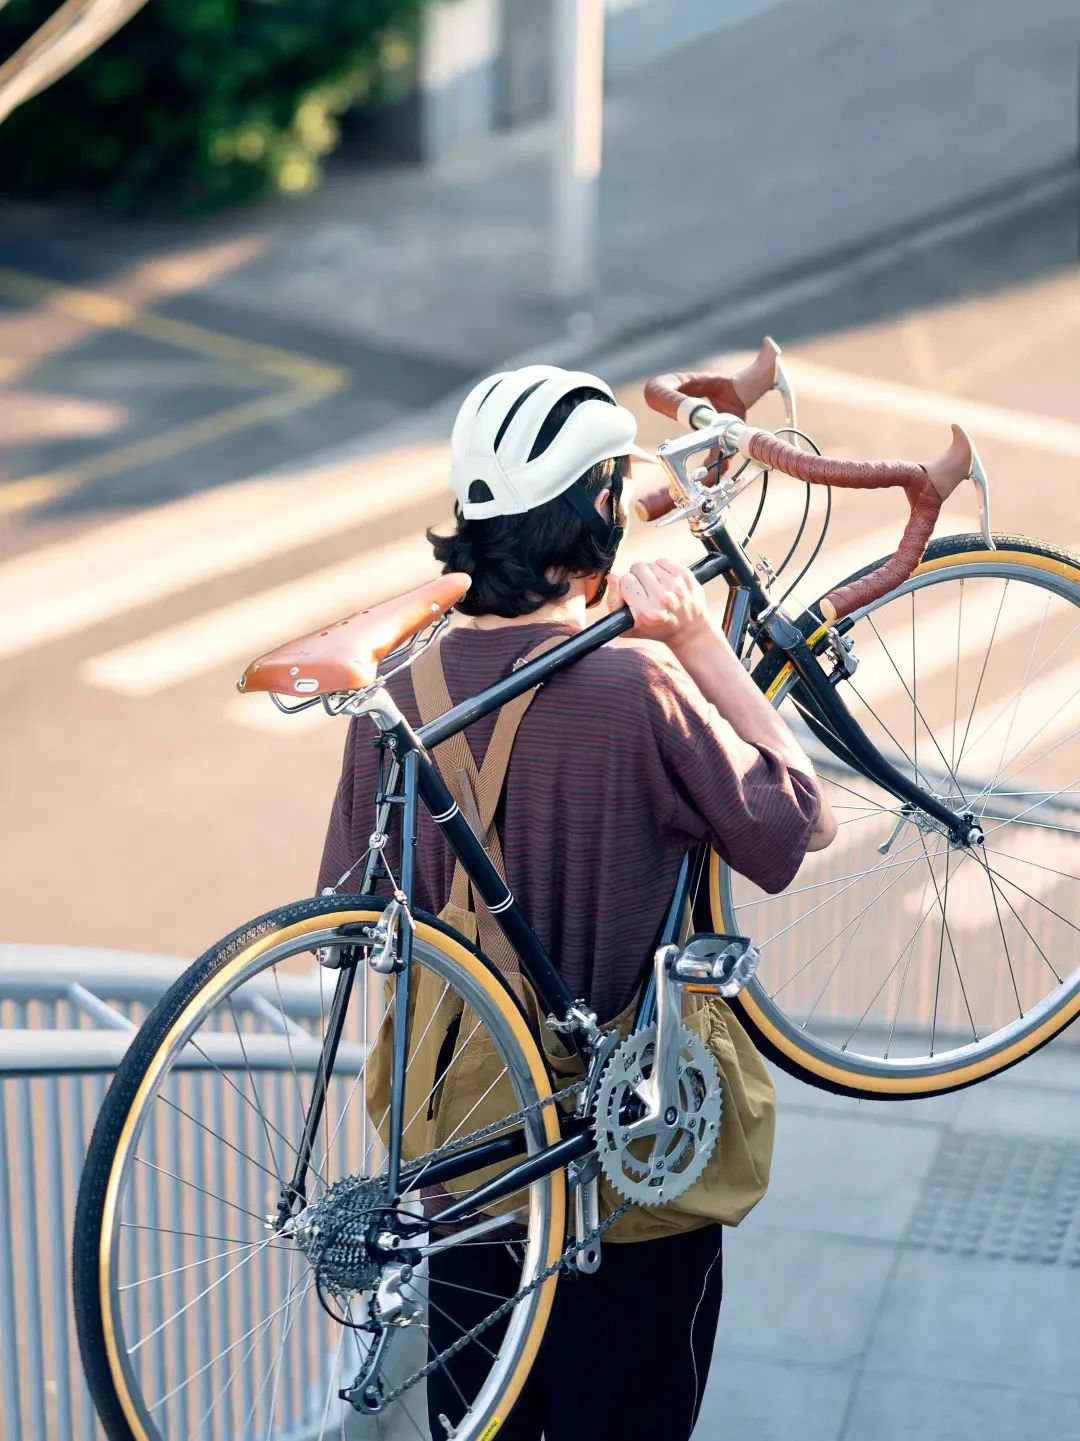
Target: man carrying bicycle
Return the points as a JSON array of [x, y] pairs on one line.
[[625, 760]]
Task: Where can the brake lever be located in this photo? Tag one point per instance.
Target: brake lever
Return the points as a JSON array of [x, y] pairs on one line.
[[982, 486], [782, 385]]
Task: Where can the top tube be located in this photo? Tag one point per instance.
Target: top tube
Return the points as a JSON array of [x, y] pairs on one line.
[[527, 676]]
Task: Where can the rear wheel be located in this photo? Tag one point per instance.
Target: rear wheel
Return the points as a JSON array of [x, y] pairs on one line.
[[898, 964], [197, 1315]]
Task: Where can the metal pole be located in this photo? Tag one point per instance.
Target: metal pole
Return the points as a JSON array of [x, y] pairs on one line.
[[577, 51]]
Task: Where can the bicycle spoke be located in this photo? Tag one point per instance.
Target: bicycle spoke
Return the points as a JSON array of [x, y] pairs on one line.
[[255, 1249], [982, 674], [472, 1290], [288, 1042], [836, 934], [1024, 861], [1020, 921], [332, 1383], [171, 1231], [275, 1369], [940, 949], [1004, 709], [254, 1088], [232, 1084], [860, 876], [848, 943], [223, 1140], [1042, 801], [943, 903], [956, 676], [354, 1087], [916, 713], [1043, 904], [163, 1171], [888, 974], [260, 1327], [1020, 692], [906, 973], [191, 1265]]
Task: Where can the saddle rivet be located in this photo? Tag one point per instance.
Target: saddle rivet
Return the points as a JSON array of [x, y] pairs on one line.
[[294, 670]]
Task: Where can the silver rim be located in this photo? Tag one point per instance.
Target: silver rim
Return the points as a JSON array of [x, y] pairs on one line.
[[218, 1325], [919, 961]]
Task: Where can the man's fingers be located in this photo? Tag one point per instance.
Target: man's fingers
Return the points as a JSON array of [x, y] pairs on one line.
[[677, 575], [652, 584], [672, 567], [631, 590]]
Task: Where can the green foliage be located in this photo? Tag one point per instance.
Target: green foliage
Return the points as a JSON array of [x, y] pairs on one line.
[[201, 103]]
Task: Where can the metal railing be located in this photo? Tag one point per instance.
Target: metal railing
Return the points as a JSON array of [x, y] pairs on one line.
[[66, 1019]]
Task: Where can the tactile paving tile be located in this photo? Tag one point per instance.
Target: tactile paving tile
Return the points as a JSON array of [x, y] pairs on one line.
[[1001, 1196]]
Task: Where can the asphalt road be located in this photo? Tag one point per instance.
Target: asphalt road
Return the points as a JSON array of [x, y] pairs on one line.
[[148, 805]]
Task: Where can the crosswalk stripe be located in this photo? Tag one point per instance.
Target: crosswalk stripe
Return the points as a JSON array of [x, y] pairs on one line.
[[178, 653], [812, 380], [259, 622], [1043, 433], [66, 587]]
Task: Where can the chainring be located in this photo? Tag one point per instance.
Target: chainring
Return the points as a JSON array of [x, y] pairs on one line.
[[653, 1170]]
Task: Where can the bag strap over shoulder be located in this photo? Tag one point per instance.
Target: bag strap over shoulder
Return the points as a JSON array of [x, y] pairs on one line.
[[477, 789]]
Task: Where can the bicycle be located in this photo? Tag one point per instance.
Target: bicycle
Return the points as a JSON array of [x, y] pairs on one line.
[[269, 1033]]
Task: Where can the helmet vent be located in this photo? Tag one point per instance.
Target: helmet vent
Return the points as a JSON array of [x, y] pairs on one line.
[[508, 417]]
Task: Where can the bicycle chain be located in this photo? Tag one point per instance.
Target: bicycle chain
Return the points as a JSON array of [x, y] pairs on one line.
[[507, 1306], [560, 1262], [452, 1147]]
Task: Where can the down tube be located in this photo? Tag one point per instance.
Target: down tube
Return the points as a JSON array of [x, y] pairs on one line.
[[488, 884]]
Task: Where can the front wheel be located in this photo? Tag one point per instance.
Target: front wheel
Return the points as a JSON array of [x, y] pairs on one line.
[[198, 1316], [897, 964]]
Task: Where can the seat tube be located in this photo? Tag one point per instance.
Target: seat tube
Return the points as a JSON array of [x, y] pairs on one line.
[[402, 977]]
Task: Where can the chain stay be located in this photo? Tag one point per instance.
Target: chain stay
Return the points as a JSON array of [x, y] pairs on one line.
[[564, 1261]]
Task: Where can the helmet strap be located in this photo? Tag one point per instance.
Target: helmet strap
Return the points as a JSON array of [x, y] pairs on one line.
[[608, 532]]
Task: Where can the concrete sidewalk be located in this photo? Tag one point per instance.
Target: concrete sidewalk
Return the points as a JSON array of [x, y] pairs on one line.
[[913, 1273]]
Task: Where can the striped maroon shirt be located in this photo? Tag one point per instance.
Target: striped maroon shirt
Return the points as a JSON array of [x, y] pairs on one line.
[[620, 764]]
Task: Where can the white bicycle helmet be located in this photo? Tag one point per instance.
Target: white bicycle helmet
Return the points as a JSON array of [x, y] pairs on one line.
[[498, 425]]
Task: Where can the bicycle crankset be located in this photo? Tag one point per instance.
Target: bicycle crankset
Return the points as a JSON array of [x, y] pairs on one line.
[[657, 1167]]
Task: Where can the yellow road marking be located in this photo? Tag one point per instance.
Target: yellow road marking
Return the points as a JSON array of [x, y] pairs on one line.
[[108, 312], [309, 380], [39, 489]]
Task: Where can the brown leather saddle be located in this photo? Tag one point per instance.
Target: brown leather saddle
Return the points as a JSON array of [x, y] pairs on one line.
[[345, 655]]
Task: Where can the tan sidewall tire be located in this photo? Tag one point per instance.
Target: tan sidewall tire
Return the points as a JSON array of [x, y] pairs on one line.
[[782, 1046], [96, 1213]]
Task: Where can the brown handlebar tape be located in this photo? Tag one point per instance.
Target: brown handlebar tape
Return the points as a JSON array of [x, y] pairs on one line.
[[776, 454], [926, 487], [925, 507], [666, 393]]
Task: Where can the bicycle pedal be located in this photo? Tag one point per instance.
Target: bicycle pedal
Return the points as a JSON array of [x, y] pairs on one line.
[[716, 965]]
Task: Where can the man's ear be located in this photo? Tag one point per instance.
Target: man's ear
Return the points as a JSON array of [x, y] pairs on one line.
[[602, 499]]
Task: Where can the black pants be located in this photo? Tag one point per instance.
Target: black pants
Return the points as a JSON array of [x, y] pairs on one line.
[[626, 1353]]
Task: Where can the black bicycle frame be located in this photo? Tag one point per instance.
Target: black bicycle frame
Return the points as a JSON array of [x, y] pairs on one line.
[[416, 778]]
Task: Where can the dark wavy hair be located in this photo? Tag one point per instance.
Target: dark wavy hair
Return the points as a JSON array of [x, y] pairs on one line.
[[520, 562]]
